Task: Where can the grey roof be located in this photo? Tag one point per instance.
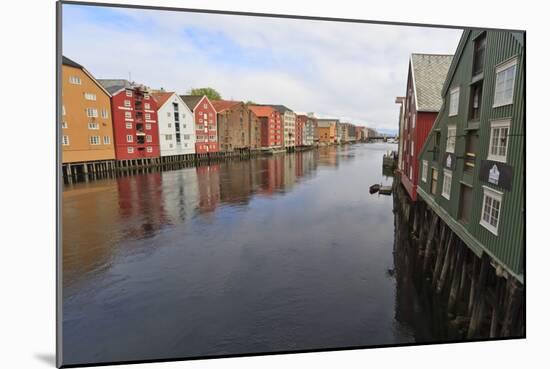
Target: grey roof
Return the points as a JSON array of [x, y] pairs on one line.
[[280, 108], [191, 100], [114, 85], [429, 74], [72, 63]]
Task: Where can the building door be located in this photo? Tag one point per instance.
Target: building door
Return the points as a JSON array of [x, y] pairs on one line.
[[465, 207]]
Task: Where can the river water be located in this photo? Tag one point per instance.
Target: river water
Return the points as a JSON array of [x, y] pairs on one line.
[[272, 254]]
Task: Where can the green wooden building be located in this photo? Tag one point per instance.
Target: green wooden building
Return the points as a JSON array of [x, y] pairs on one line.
[[472, 166]]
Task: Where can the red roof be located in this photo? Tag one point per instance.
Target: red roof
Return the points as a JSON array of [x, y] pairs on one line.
[[262, 111], [161, 97], [221, 105]]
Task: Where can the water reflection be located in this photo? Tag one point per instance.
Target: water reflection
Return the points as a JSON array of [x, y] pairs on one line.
[[288, 252]]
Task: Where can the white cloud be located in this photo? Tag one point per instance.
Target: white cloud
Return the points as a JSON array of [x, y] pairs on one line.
[[338, 69]]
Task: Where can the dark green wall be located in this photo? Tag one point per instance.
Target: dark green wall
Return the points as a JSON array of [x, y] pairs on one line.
[[508, 246]]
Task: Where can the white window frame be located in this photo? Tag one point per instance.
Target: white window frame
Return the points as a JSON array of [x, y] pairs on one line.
[[424, 170], [147, 126], [147, 106], [129, 93], [90, 96], [75, 80], [146, 96], [149, 138], [412, 148], [64, 124], [451, 138], [148, 116], [95, 140], [91, 112], [130, 150], [447, 184], [129, 138], [128, 125], [93, 126], [65, 140], [127, 103], [495, 196], [453, 109], [106, 140], [414, 121], [64, 111], [104, 114], [410, 172], [498, 125], [502, 68], [149, 149]]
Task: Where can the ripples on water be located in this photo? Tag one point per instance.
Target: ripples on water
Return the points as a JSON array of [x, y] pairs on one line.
[[271, 254]]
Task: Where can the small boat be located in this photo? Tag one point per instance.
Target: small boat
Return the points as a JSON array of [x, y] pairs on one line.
[[385, 190], [374, 188]]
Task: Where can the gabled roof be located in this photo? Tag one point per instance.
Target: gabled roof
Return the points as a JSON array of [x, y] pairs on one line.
[[221, 105], [262, 110], [456, 58], [72, 63], [429, 72], [191, 100], [161, 97], [115, 85]]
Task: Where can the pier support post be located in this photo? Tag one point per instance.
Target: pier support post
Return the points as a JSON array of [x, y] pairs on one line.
[[479, 298]]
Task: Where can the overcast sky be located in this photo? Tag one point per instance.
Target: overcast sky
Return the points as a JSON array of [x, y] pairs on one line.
[[343, 70]]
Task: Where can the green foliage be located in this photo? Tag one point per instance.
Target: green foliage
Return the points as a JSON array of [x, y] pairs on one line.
[[211, 93]]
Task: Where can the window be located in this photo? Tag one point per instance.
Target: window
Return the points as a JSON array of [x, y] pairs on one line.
[[424, 170], [128, 115], [64, 112], [93, 125], [128, 125], [65, 140], [451, 138], [91, 113], [149, 149], [106, 140], [490, 211], [146, 96], [410, 172], [186, 137], [479, 53], [104, 114], [471, 149], [75, 80], [504, 84], [147, 116], [90, 96], [149, 138], [64, 125], [130, 150], [433, 188], [94, 140], [453, 103], [168, 114], [414, 120], [465, 206], [127, 103], [147, 106], [475, 101], [129, 93], [447, 183], [168, 137], [129, 138], [148, 126], [412, 148], [498, 143]]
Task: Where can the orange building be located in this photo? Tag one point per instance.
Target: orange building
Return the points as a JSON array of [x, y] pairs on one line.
[[87, 129], [327, 131]]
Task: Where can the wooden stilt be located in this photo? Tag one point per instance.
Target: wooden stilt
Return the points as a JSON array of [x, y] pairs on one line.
[[479, 299], [446, 263]]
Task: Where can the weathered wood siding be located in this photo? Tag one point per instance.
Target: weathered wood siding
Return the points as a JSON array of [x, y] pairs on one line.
[[507, 247]]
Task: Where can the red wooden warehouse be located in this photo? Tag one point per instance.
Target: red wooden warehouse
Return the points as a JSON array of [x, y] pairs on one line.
[[135, 123], [271, 125], [206, 123], [427, 73]]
